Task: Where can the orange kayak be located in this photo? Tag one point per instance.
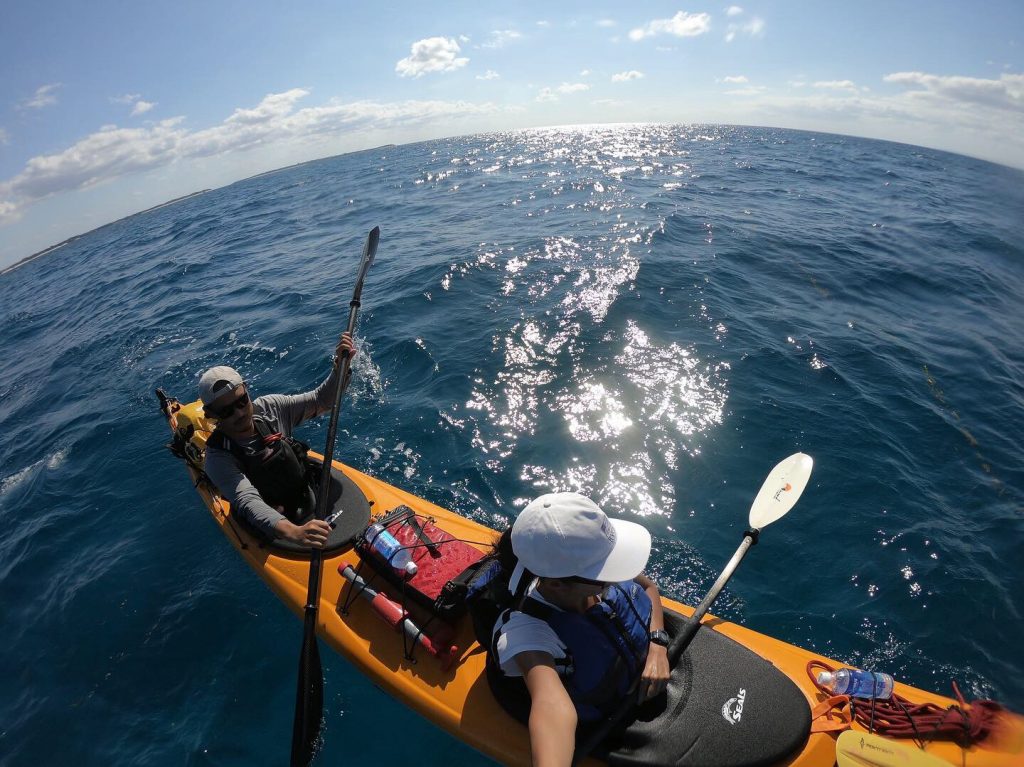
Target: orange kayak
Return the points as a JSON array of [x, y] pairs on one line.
[[741, 697]]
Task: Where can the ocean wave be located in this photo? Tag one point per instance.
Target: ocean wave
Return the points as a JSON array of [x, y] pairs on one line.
[[51, 462]]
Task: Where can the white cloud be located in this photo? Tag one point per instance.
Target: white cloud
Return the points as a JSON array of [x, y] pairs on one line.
[[940, 102], [683, 24], [606, 23], [753, 90], [274, 105], [623, 77], [836, 85], [432, 54], [608, 103], [585, 73], [543, 23], [45, 96], [490, 74], [1005, 93], [551, 94], [139, 106], [733, 10], [114, 152], [735, 79], [5, 137], [973, 116], [500, 37], [753, 28]]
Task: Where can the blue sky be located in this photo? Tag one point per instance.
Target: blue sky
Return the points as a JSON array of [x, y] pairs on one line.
[[108, 108]]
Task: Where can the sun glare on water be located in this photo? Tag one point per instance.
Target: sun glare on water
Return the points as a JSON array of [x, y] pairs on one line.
[[619, 405]]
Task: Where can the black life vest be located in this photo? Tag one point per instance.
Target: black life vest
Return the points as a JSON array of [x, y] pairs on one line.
[[279, 471], [606, 651]]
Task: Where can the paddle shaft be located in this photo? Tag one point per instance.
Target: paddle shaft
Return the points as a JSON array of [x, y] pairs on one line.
[[682, 640], [313, 587], [309, 695], [369, 251]]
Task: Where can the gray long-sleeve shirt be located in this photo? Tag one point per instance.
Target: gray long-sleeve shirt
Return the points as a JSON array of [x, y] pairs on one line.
[[226, 471]]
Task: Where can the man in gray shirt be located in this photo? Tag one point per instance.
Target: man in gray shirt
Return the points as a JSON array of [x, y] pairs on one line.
[[251, 449]]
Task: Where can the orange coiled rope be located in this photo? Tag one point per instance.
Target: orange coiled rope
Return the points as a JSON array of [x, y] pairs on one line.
[[897, 717]]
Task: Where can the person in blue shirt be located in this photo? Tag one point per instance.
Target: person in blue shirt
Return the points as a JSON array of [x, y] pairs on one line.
[[586, 627]]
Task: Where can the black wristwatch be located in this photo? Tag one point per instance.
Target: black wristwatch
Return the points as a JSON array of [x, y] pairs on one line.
[[658, 636]]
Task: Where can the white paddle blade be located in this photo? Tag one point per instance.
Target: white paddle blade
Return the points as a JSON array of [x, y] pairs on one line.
[[781, 490], [863, 749]]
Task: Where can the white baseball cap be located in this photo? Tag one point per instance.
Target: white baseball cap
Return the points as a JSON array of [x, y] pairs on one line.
[[216, 381], [561, 535]]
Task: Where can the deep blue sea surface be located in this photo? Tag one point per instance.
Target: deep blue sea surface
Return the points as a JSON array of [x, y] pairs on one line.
[[653, 315]]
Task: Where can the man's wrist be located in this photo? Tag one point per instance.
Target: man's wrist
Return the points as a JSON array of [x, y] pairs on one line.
[[658, 637], [285, 528]]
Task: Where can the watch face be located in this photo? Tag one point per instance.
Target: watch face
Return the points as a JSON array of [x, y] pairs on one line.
[[659, 637]]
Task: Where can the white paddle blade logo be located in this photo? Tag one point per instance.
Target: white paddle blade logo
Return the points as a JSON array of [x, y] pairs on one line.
[[781, 489]]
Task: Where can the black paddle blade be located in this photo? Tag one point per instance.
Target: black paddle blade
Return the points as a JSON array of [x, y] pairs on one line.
[[369, 251], [309, 698]]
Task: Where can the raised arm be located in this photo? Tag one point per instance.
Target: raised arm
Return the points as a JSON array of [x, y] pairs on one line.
[[293, 409]]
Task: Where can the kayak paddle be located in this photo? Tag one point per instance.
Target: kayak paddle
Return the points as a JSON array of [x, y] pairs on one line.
[[309, 698], [779, 493], [863, 749]]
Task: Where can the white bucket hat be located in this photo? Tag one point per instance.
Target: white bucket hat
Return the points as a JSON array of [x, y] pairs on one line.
[[561, 535], [216, 381]]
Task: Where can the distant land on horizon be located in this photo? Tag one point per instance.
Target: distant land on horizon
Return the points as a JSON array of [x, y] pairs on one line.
[[69, 240]]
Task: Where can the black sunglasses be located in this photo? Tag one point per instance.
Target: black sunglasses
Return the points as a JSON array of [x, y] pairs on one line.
[[225, 411], [585, 581]]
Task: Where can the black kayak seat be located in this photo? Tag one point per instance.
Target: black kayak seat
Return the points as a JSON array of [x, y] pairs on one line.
[[343, 495], [725, 706]]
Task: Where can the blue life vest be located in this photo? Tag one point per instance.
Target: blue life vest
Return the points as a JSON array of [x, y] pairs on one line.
[[606, 649]]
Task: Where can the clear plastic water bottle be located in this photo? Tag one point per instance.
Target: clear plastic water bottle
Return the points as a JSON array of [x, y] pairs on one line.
[[859, 684], [385, 544]]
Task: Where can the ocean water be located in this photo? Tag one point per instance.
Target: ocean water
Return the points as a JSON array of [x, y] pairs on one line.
[[652, 315]]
